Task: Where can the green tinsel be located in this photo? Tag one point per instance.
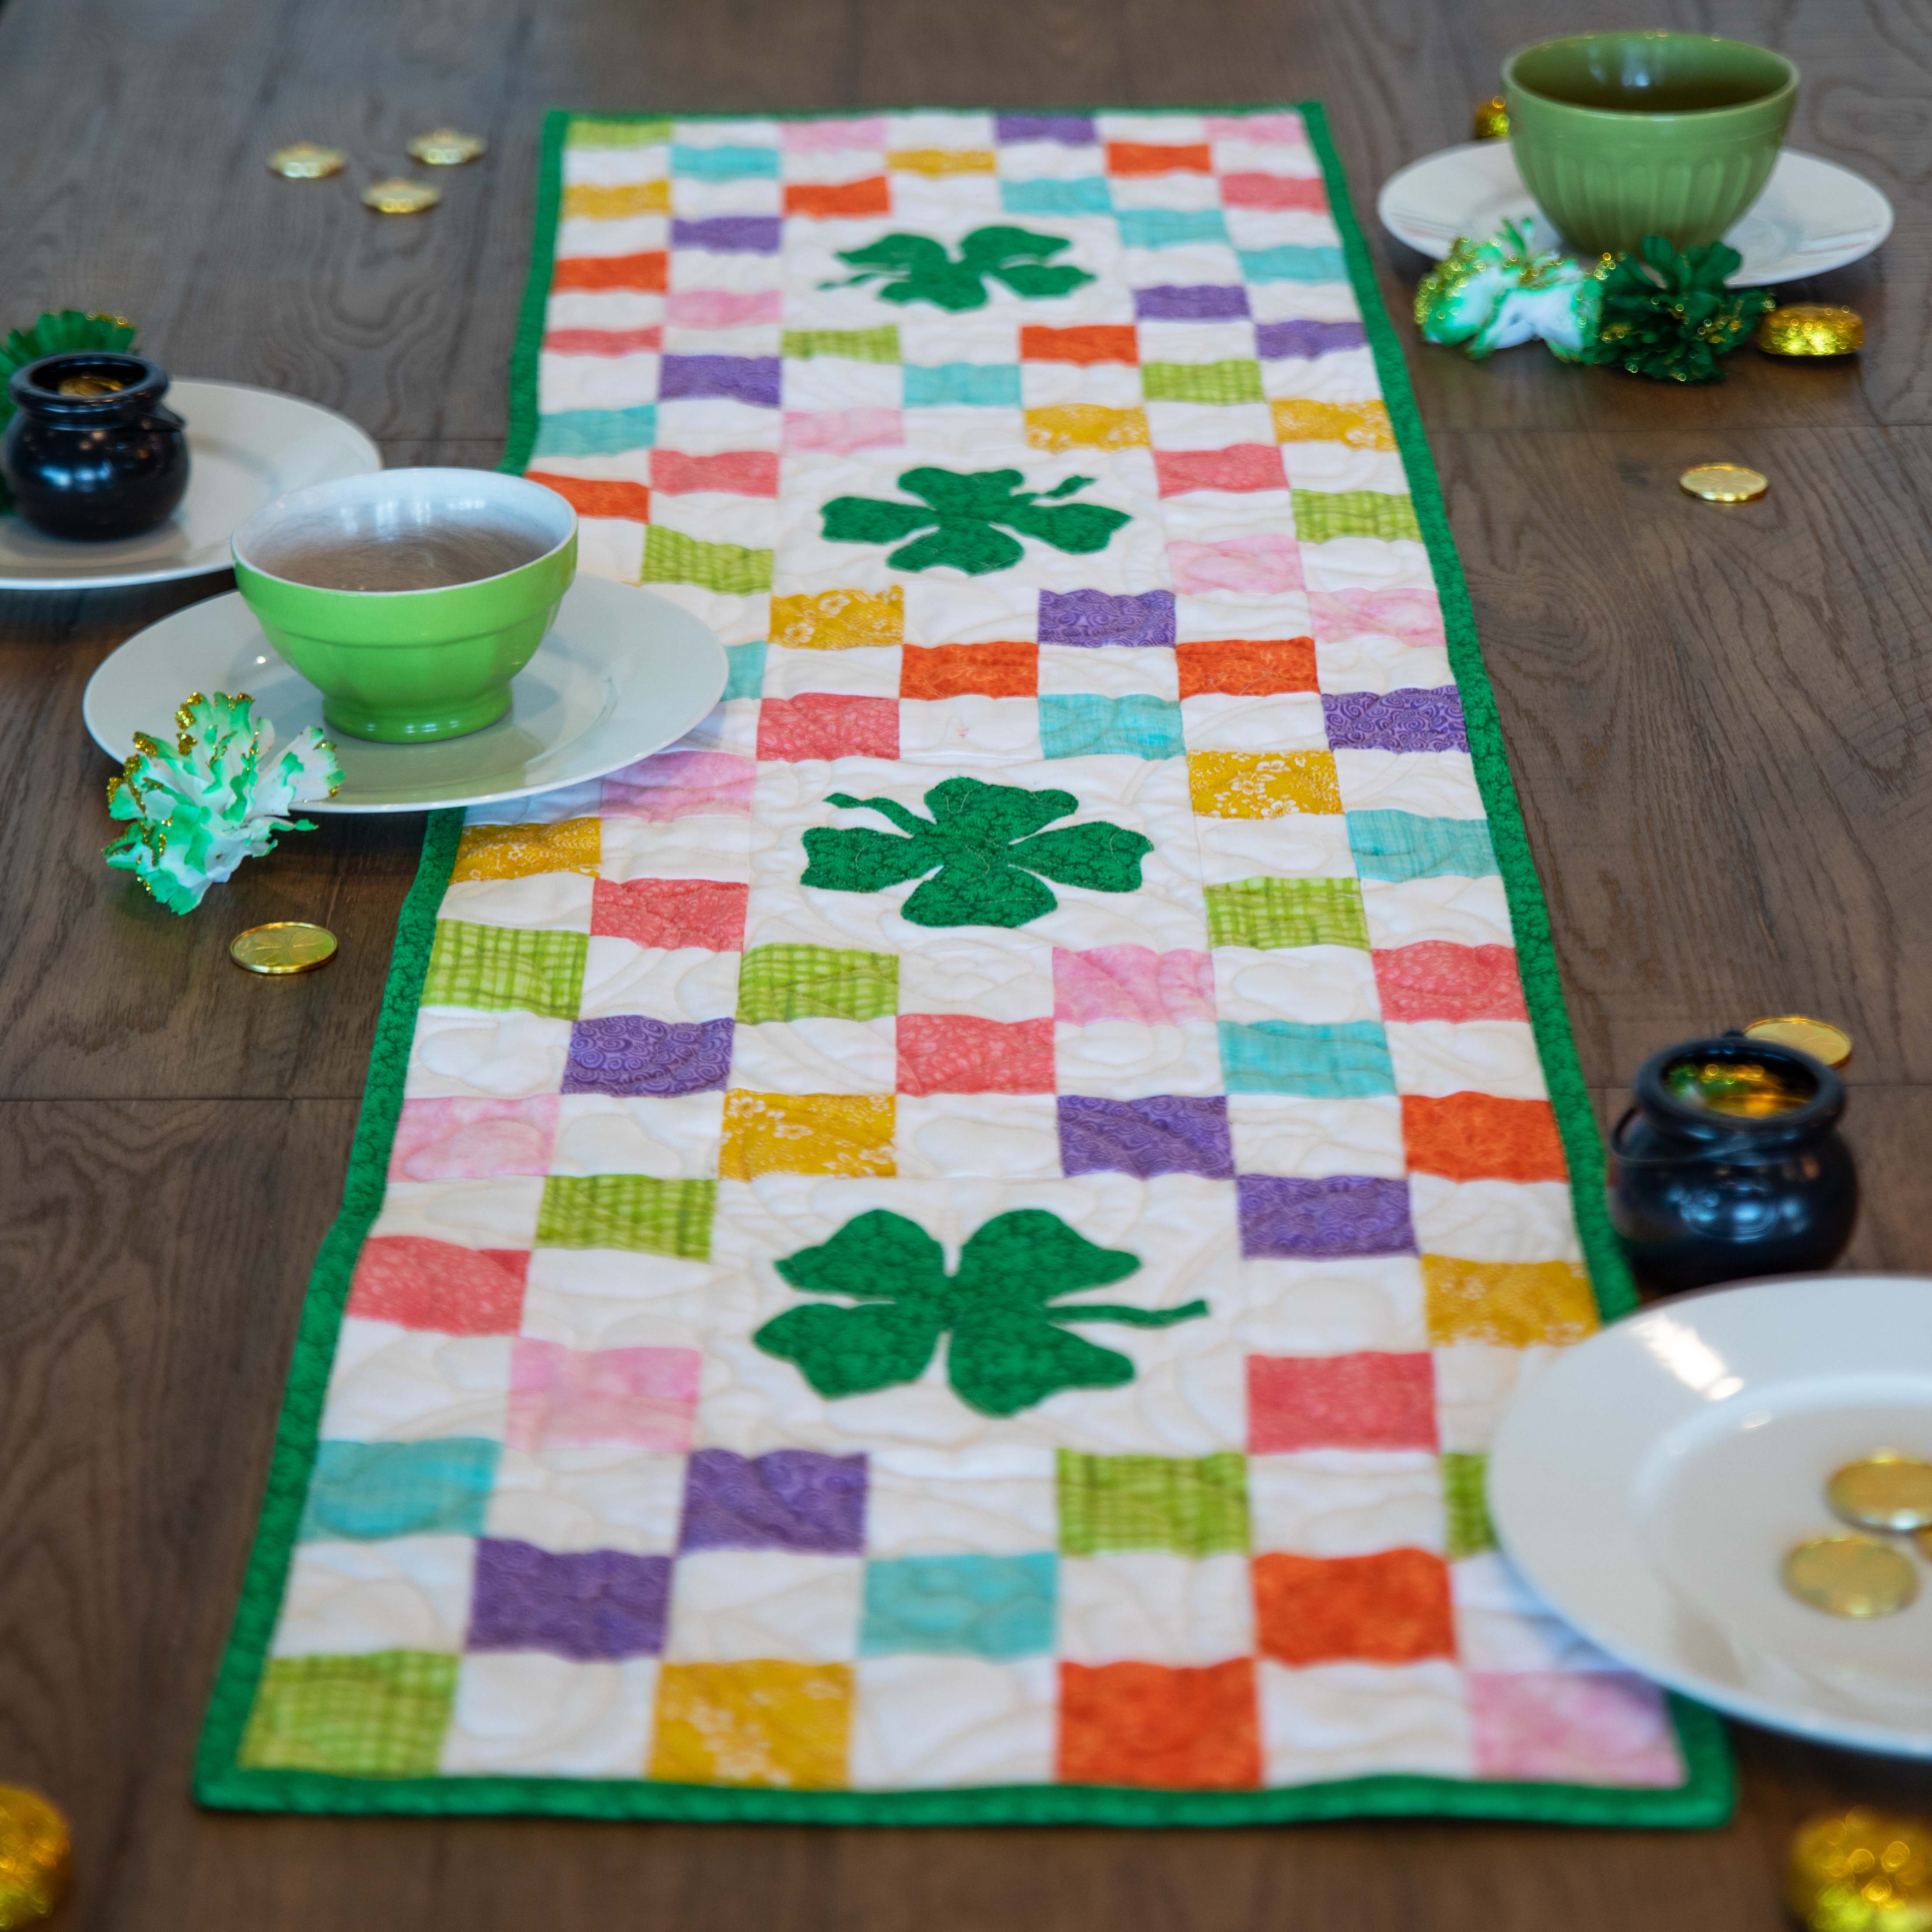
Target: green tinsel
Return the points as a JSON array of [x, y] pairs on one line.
[[53, 334], [1670, 317]]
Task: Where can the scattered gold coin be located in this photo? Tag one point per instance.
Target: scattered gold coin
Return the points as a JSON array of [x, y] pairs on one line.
[[1811, 328], [1819, 1038], [284, 946], [1737, 1087], [305, 161], [1885, 1490], [1724, 482], [1858, 1871], [1490, 121], [36, 1857], [400, 196], [1850, 1575], [444, 147]]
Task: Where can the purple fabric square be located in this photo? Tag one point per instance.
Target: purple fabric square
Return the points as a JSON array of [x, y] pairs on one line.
[[1342, 1214], [1070, 130], [1168, 304], [786, 1499], [1407, 720], [632, 1057], [582, 1604], [741, 379], [1165, 1133], [1275, 341], [729, 234], [1098, 617]]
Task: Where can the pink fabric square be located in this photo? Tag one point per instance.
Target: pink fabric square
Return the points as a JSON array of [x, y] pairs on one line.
[[682, 783], [828, 725], [1132, 982], [959, 1053], [1434, 980], [1414, 616], [471, 1140], [1304, 192], [1572, 1727], [830, 137], [1371, 1400], [1274, 130], [723, 308], [736, 472], [839, 432], [1259, 565], [1242, 465], [571, 1398]]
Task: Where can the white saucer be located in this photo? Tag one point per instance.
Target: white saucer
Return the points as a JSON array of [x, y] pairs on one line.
[[1813, 215], [1649, 1484], [622, 673], [246, 446]]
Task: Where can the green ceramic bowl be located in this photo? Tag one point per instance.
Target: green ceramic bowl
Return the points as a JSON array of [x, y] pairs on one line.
[[409, 667], [1619, 136]]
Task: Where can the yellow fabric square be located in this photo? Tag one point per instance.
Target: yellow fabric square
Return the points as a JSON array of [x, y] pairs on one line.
[[805, 1133], [1261, 785], [1359, 425], [941, 160], [596, 203], [1085, 426], [1510, 1304], [839, 620], [517, 851], [760, 1723]]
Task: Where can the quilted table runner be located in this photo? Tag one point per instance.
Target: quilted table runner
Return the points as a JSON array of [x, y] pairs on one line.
[[950, 1248]]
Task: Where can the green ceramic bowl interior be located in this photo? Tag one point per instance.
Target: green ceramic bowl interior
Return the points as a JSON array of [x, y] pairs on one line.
[[410, 667], [1621, 135]]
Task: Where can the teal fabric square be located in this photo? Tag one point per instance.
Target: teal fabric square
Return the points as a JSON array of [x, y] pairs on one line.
[[1085, 724], [1292, 262], [982, 385], [1341, 1062], [1088, 194], [747, 670], [597, 432], [1171, 227], [361, 1491], [1403, 845], [997, 1607], [724, 164]]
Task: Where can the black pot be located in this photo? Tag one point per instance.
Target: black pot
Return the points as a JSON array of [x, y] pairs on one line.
[[110, 463], [1700, 1196]]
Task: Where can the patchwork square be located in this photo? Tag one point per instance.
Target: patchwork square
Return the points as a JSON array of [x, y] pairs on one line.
[[633, 1057], [671, 913], [1151, 1724], [594, 1605], [1168, 1133], [1100, 617], [1009, 670], [839, 620], [1088, 725], [1508, 1304], [1193, 1507], [1478, 1137], [785, 1725], [383, 1714], [1334, 1216], [805, 1133], [959, 1053], [1343, 1060], [369, 1492], [1402, 720], [788, 1499], [1262, 784], [1132, 982], [634, 1212], [497, 968], [1360, 1401], [421, 1283], [996, 1607], [1392, 1607], [1434, 980], [791, 982], [1246, 668], [572, 1398], [521, 851], [1263, 912], [1465, 1497], [824, 725]]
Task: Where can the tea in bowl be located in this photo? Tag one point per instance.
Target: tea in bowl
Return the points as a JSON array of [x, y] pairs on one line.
[[409, 597]]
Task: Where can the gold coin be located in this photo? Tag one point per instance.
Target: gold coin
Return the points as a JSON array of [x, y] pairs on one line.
[[1886, 1490], [282, 947], [1850, 1575], [1819, 1038], [400, 196], [36, 1857], [1861, 1871], [1811, 328], [305, 161], [88, 385], [1736, 1086], [1490, 121], [444, 147], [1724, 483]]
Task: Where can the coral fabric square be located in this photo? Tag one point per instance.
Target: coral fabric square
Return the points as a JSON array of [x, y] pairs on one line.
[[1089, 342], [597, 495], [597, 342], [1148, 157], [568, 1398], [734, 473], [1434, 980], [681, 783], [1152, 1724], [762, 1723], [1391, 1607], [958, 1053], [1371, 1400], [786, 1499], [1478, 1137], [1005, 669], [473, 1140], [1165, 1133], [670, 914], [589, 1605], [1132, 982], [1244, 668], [825, 201], [1573, 1727], [636, 1057], [1242, 466], [825, 724], [418, 1283], [1305, 193]]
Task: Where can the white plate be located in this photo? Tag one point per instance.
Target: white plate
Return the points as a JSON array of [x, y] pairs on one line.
[[622, 673], [1813, 215], [1651, 1482], [246, 446]]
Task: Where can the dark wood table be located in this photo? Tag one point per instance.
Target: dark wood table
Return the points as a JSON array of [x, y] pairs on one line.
[[1718, 720]]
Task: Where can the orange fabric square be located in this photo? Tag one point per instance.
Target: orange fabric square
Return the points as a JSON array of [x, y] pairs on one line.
[[734, 472], [1151, 1723], [1245, 667], [1243, 466], [597, 495], [825, 199], [646, 272], [1002, 669], [1434, 979], [671, 913], [1090, 342], [1392, 1607], [1478, 1137], [1147, 158], [957, 1053], [418, 1283], [828, 725]]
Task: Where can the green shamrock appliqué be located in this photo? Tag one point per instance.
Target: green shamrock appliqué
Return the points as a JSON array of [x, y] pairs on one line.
[[983, 843], [960, 511], [1009, 1350], [915, 268]]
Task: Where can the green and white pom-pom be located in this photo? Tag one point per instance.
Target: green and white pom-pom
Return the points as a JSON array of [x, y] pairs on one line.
[[1487, 295], [195, 813]]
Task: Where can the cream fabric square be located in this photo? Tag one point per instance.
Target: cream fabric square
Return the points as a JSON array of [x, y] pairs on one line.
[[458, 1054], [730, 1606], [500, 1212], [1309, 985], [1457, 910], [996, 974], [933, 1723], [1502, 1624], [997, 1500], [677, 985], [1495, 1220], [608, 1298], [670, 1137], [560, 900], [349, 1599], [390, 1384], [1150, 1606], [1475, 1383], [526, 1714], [1126, 1059], [1012, 1136], [1334, 1720], [815, 1056], [1296, 1134], [1338, 1502], [609, 1497], [1443, 1057], [1338, 1306]]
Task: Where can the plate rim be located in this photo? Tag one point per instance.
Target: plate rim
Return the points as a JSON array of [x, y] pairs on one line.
[[111, 579], [595, 585], [1793, 1720]]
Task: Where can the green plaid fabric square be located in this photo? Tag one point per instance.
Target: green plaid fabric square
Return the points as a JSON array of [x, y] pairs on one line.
[[1287, 912], [631, 1211], [586, 131], [1195, 1507], [849, 345], [794, 982], [1320, 514], [730, 569], [382, 1715], [1465, 1503], [1236, 382], [506, 968]]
